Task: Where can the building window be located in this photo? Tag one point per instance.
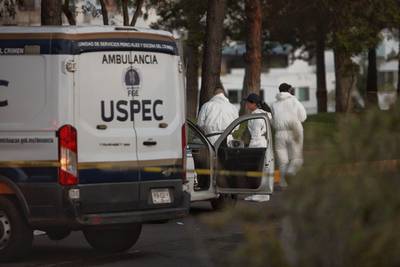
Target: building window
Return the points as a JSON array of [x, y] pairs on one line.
[[234, 96], [303, 93], [389, 77]]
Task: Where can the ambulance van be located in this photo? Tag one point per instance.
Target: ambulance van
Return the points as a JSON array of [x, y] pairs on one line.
[[92, 134]]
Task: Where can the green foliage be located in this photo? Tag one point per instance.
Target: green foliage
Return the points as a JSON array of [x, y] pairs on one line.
[[321, 127], [342, 209], [187, 16], [350, 26]]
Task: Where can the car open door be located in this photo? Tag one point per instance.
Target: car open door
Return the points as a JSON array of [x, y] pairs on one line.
[[200, 163], [239, 168]]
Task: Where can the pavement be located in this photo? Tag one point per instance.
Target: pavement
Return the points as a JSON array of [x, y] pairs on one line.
[[184, 242]]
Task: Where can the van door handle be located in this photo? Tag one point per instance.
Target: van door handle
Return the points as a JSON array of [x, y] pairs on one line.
[[101, 127], [149, 143]]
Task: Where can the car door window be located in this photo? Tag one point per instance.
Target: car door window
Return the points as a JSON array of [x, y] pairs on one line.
[[241, 155]]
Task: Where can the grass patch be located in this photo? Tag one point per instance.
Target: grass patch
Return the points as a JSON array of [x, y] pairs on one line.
[[319, 131]]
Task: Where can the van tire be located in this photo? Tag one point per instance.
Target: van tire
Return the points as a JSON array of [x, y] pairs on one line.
[[16, 236], [58, 234], [114, 238], [223, 201]]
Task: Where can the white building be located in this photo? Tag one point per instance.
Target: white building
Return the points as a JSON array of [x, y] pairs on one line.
[[300, 74]]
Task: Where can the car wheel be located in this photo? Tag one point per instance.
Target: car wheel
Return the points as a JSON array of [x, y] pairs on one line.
[[58, 234], [15, 234], [223, 201], [113, 239]]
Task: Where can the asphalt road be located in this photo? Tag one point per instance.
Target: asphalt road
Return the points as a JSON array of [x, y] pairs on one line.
[[184, 242]]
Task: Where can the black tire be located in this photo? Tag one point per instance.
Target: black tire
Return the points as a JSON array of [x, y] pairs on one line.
[[58, 234], [113, 239], [15, 234], [223, 201]]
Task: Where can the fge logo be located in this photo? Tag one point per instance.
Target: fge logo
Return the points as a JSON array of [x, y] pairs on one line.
[[3, 103], [132, 81]]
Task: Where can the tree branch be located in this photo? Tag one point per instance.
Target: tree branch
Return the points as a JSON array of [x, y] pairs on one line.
[[125, 12], [67, 12], [104, 12], [138, 12]]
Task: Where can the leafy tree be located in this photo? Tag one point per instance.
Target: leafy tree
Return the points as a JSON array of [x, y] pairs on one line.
[[302, 24], [379, 15], [188, 18], [8, 8], [124, 6], [349, 27]]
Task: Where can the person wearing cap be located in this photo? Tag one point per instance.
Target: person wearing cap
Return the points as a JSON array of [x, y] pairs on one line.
[[288, 115], [257, 129], [216, 115]]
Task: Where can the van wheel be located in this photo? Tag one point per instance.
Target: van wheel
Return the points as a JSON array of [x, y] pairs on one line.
[[113, 239], [58, 234], [223, 201], [15, 234]]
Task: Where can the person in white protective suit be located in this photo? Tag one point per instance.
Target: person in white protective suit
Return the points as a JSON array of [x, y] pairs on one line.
[[258, 130], [288, 114], [216, 115]]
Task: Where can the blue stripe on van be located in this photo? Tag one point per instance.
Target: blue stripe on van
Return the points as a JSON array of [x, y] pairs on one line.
[[74, 47], [86, 176], [31, 175], [90, 176]]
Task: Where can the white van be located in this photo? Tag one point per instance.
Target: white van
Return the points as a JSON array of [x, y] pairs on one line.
[[219, 172], [92, 134]]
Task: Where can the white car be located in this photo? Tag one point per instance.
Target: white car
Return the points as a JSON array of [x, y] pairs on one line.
[[219, 172]]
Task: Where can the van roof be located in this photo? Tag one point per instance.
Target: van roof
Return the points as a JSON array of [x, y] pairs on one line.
[[80, 29], [80, 39]]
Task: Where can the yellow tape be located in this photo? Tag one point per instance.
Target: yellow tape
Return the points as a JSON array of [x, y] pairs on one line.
[[254, 174], [29, 164]]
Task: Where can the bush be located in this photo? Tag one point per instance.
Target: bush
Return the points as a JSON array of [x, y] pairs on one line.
[[342, 209]]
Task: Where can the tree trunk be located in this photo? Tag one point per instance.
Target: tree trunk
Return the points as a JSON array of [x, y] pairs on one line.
[[398, 74], [211, 67], [104, 12], [345, 74], [125, 12], [68, 13], [192, 79], [253, 55], [138, 12], [321, 73], [372, 79], [51, 12]]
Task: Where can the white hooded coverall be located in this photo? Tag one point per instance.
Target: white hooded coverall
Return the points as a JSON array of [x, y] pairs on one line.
[[288, 114], [216, 115], [257, 129]]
